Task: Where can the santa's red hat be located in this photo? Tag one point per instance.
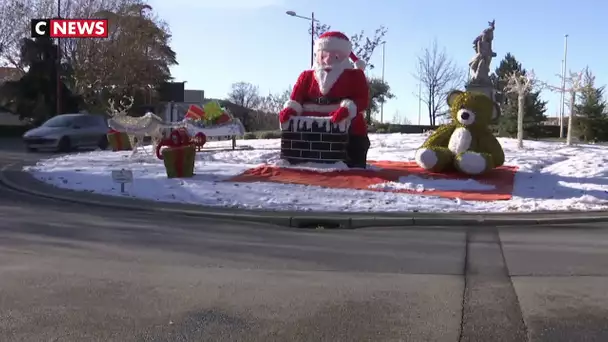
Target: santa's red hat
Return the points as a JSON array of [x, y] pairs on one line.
[[338, 41]]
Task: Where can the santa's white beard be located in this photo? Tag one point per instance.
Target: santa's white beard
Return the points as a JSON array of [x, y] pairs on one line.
[[326, 76]]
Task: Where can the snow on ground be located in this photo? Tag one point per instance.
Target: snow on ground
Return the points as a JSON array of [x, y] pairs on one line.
[[420, 184], [552, 176]]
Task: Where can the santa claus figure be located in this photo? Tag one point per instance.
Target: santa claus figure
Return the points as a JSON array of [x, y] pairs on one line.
[[334, 88]]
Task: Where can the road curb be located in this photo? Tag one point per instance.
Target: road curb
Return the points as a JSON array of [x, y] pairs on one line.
[[110, 203], [301, 219]]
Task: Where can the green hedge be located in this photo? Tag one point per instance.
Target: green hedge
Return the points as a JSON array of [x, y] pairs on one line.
[[269, 135], [249, 136], [262, 135]]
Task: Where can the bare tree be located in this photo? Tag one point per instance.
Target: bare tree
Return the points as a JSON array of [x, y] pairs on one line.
[[574, 85], [245, 94], [273, 103], [399, 119], [438, 74], [266, 103], [521, 85], [15, 16], [396, 117], [261, 121], [134, 59]]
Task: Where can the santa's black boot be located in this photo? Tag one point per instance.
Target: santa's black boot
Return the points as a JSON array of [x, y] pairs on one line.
[[356, 151]]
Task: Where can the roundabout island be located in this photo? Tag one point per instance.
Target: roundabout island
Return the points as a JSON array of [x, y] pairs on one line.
[[254, 177]]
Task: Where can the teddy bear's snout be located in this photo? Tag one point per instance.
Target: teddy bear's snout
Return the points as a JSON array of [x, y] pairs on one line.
[[465, 117]]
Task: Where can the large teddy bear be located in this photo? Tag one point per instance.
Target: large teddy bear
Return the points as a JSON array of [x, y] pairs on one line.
[[466, 144]]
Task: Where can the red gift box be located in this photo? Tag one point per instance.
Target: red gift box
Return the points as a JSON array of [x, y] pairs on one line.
[[119, 141]]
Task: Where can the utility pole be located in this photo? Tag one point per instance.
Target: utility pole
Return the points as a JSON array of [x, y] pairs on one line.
[[58, 66], [312, 39], [383, 61], [560, 108]]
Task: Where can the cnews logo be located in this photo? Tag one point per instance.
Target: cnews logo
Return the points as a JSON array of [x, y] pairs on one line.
[[69, 28]]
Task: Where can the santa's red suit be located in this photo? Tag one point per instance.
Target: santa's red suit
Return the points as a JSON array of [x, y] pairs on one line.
[[341, 93], [349, 91]]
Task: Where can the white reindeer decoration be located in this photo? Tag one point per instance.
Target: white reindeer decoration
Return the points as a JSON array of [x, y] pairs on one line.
[[137, 128]]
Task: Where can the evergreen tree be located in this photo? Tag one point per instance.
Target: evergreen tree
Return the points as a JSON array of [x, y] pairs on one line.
[[34, 96], [535, 108], [592, 122], [379, 91]]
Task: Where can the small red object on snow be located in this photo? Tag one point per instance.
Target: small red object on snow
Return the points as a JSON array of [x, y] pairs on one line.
[[200, 139], [178, 138]]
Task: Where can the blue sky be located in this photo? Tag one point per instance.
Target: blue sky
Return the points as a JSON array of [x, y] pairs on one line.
[[219, 42]]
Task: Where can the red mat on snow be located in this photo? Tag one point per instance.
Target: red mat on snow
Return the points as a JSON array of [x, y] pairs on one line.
[[501, 179]]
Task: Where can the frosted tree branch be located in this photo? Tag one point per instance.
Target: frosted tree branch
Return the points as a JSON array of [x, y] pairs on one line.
[[574, 85], [520, 84]]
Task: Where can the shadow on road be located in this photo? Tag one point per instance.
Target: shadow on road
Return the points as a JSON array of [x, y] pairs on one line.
[[380, 251]]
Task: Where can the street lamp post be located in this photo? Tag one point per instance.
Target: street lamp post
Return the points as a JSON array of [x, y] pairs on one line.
[[383, 62], [312, 32], [560, 109], [312, 39], [563, 97]]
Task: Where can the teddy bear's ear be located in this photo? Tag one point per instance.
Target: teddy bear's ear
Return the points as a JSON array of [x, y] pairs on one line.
[[452, 96], [496, 111]]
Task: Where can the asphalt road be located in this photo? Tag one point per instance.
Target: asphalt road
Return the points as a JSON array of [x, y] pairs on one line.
[[78, 273]]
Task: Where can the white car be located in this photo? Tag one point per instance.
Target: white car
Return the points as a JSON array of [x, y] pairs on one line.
[[67, 132]]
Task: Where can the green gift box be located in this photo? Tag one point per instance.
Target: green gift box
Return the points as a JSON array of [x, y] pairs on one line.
[[119, 141], [179, 161]]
